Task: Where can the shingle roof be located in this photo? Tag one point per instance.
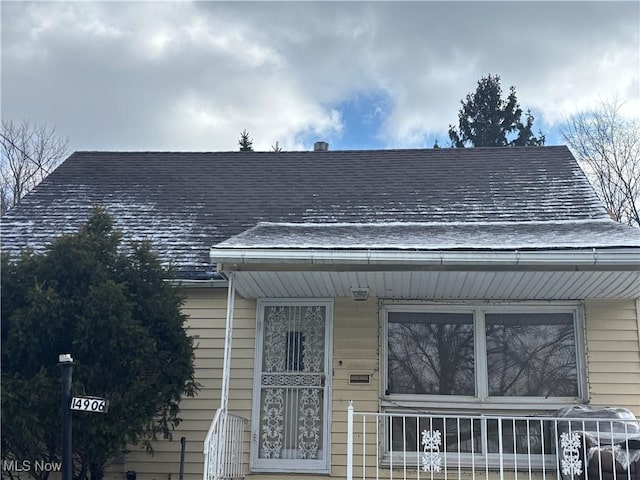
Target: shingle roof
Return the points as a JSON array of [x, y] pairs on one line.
[[187, 202]]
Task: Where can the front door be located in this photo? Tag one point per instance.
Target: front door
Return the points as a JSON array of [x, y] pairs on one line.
[[290, 428]]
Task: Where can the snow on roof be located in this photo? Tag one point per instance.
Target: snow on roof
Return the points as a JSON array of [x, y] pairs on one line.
[[438, 236], [184, 203]]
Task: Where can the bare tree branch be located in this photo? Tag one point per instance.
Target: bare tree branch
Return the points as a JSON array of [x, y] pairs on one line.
[[28, 153], [607, 146]]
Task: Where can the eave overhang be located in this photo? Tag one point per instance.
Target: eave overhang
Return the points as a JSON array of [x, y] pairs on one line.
[[503, 260], [571, 274]]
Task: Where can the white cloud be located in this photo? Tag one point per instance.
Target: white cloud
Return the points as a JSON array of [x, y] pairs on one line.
[[191, 76]]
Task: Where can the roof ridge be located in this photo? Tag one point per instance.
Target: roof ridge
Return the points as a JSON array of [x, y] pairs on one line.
[[285, 152]]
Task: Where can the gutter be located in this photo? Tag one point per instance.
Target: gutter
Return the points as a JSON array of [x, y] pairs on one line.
[[623, 258], [218, 283]]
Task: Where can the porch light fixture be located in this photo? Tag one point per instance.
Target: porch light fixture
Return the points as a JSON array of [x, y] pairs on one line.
[[360, 294]]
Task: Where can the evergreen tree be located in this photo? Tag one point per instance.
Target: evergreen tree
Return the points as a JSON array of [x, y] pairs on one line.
[[246, 144], [487, 120], [121, 321]]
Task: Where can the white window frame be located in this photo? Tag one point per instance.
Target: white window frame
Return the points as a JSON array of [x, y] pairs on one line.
[[482, 401]]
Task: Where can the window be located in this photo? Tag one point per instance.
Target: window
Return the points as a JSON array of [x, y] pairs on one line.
[[495, 354], [531, 355], [474, 372], [431, 353]]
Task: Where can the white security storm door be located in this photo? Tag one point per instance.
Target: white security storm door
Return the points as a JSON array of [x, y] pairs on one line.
[[290, 428]]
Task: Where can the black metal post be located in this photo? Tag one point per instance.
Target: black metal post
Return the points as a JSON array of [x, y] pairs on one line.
[[66, 362], [183, 442]]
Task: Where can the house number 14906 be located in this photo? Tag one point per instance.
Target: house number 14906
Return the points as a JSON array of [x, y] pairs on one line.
[[89, 404]]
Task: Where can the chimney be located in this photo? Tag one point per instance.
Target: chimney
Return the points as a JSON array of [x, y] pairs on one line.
[[320, 147]]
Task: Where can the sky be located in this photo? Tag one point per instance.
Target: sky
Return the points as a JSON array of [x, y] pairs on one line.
[[190, 76]]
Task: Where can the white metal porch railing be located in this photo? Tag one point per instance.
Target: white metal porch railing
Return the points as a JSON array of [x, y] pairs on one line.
[[428, 446], [224, 447]]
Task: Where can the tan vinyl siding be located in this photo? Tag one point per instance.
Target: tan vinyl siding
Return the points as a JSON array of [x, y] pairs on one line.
[[613, 363], [355, 345], [206, 309], [613, 353], [355, 350]]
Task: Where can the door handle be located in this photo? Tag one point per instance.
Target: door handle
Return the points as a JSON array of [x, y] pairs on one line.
[[323, 377]]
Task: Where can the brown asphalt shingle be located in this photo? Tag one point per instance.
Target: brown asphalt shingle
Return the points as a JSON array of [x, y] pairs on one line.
[[187, 202]]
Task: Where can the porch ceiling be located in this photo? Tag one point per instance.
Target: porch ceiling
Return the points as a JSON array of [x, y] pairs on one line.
[[439, 285]]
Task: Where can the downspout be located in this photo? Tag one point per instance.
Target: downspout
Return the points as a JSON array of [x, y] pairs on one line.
[[226, 372], [226, 363]]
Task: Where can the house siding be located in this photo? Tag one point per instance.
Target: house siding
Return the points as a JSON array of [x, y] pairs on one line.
[[613, 353], [613, 364], [355, 350], [206, 309]]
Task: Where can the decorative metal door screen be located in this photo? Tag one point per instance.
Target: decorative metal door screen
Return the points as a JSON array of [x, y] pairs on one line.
[[290, 433]]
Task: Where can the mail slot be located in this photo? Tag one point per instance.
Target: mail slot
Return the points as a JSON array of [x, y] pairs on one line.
[[359, 378]]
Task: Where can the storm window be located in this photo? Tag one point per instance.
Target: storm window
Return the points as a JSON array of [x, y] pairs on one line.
[[486, 353], [453, 368]]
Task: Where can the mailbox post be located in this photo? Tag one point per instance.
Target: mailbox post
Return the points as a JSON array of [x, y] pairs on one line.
[[66, 363]]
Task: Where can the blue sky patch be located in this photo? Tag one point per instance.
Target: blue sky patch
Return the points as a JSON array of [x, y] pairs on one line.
[[362, 117]]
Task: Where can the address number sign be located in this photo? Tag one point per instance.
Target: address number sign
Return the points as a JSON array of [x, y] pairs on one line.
[[89, 404]]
